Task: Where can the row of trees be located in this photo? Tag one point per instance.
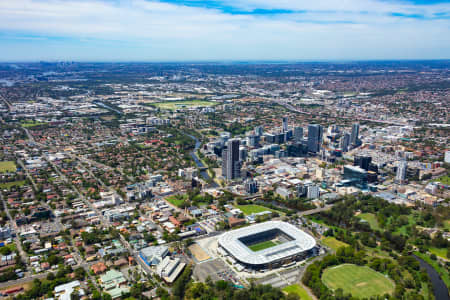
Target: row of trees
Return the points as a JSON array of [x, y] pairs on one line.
[[405, 271]]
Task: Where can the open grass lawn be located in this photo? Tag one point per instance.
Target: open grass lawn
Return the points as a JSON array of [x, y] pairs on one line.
[[29, 124], [253, 208], [177, 200], [173, 105], [7, 166], [447, 225], [8, 185], [442, 252], [371, 219], [262, 246], [333, 243], [361, 282], [376, 252], [443, 179], [298, 290]]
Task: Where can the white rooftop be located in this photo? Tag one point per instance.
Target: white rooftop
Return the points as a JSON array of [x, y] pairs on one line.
[[301, 242]]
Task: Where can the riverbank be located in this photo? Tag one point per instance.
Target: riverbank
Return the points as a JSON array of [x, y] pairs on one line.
[[440, 288]]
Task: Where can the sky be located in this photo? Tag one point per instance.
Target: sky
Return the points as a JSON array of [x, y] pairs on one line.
[[223, 30]]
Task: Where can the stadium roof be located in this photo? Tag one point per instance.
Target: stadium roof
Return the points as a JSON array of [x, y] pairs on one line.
[[301, 242]]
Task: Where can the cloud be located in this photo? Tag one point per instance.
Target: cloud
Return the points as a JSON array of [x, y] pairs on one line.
[[231, 29]]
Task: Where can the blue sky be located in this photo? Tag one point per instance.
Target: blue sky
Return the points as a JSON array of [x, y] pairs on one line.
[[194, 30]]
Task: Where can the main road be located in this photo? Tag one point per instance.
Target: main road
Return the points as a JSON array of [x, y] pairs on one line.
[[353, 118]]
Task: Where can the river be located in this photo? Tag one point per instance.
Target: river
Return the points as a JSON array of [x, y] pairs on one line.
[[198, 162], [440, 290]]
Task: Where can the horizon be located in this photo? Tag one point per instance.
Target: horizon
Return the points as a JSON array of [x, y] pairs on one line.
[[224, 30], [343, 61]]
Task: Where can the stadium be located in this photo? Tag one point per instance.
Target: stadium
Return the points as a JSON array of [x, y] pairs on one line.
[[267, 245]]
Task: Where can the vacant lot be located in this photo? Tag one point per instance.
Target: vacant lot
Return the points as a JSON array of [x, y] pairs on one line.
[[173, 105], [298, 290], [262, 246], [7, 166], [333, 243], [361, 282], [199, 254]]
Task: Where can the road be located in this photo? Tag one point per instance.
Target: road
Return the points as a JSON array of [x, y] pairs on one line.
[[28, 174], [353, 118], [22, 253], [24, 279], [6, 102], [104, 222], [314, 211]]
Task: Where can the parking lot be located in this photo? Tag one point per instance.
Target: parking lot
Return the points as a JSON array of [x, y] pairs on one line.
[[282, 278], [217, 270]]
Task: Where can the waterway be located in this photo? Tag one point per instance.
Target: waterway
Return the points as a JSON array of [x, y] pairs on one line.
[[198, 162], [440, 290]]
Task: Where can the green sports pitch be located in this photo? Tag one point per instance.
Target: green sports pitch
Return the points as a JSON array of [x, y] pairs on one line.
[[262, 245], [361, 282]]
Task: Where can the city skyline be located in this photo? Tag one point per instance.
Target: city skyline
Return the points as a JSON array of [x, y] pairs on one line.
[[252, 30]]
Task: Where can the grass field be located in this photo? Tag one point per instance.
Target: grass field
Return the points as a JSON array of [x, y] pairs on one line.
[[361, 282], [177, 200], [7, 166], [173, 105], [28, 124], [298, 290], [447, 225], [8, 185], [443, 179], [371, 219], [333, 243], [253, 208], [262, 246], [442, 252]]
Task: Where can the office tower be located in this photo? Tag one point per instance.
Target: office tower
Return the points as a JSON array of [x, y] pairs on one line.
[[259, 130], [285, 124], [355, 134], [302, 190], [279, 138], [251, 186], [355, 175], [362, 161], [242, 153], [400, 177], [345, 142], [313, 192], [231, 165], [315, 133], [298, 134]]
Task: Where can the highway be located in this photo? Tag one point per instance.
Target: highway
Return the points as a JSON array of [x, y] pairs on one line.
[[352, 118]]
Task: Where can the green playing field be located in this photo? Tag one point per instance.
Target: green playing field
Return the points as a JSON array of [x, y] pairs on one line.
[[262, 246], [361, 282]]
